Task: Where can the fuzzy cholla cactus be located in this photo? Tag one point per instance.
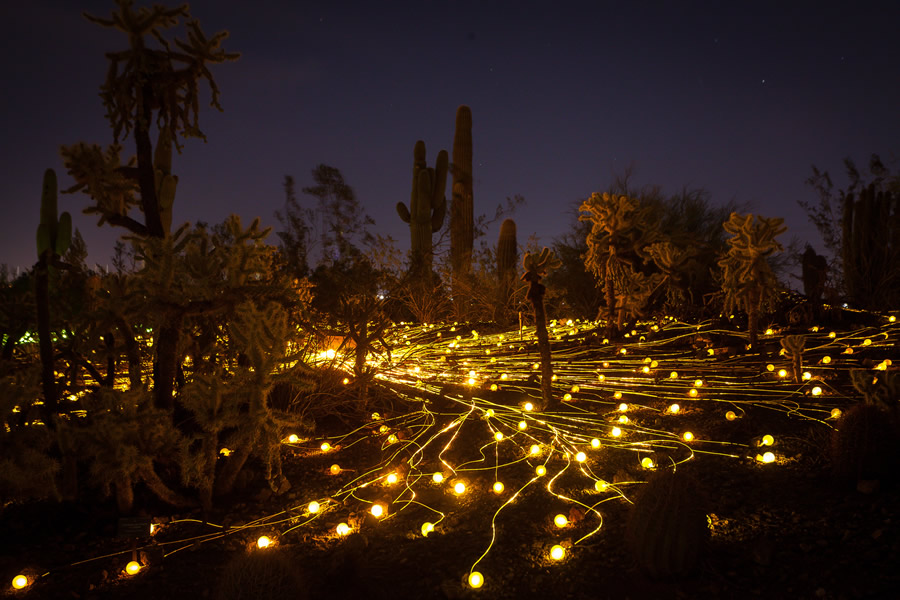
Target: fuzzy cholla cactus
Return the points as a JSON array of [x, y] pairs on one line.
[[793, 346]]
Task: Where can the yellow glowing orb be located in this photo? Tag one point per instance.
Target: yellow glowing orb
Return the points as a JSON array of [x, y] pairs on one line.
[[427, 528], [293, 438], [653, 364], [645, 369], [567, 397], [535, 449], [504, 377], [263, 541], [731, 415], [343, 529], [19, 582], [832, 334], [623, 351], [807, 375], [693, 393], [816, 391], [575, 389], [687, 436], [557, 552], [313, 507], [498, 436], [835, 413], [867, 342], [616, 432], [536, 366], [476, 579], [601, 377], [470, 381], [330, 354], [782, 372], [892, 319], [437, 477], [560, 520], [225, 452], [133, 567], [674, 408], [377, 511], [489, 412], [647, 462], [494, 387], [770, 331], [767, 440], [622, 407], [523, 425], [698, 383], [623, 420], [770, 367], [498, 487], [325, 447], [617, 396], [346, 380], [383, 429], [392, 439], [826, 360], [459, 487], [554, 378], [595, 443], [541, 470], [673, 375], [392, 478], [528, 406], [335, 469], [768, 457], [581, 457], [601, 486]]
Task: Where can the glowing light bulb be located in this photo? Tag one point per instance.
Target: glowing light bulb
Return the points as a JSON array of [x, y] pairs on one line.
[[293, 438], [867, 342], [498, 487], [616, 432], [541, 470], [892, 319], [330, 354], [557, 552], [560, 521], [494, 387], [335, 469], [673, 375], [730, 415], [693, 392], [816, 391], [392, 478], [687, 436], [826, 360], [698, 383], [770, 367], [647, 462], [133, 567], [498, 436], [601, 377], [595, 443], [581, 457], [528, 406], [782, 372], [437, 477], [536, 366], [377, 511], [346, 380], [653, 364], [392, 439], [623, 420], [674, 408], [575, 389], [459, 487], [427, 527], [767, 440], [343, 529], [769, 331], [623, 351], [19, 582], [832, 334], [523, 425], [470, 381], [768, 457], [807, 375], [623, 407], [567, 397], [601, 486], [504, 377], [476, 580], [383, 429], [325, 447], [835, 413], [645, 369], [313, 507], [617, 396], [263, 541]]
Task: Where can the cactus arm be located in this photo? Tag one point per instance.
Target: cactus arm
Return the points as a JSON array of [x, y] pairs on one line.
[[403, 212]]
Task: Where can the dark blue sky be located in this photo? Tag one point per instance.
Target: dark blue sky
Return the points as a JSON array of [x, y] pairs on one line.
[[738, 98]]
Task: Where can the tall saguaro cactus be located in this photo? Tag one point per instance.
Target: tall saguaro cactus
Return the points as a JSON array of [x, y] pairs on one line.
[[870, 246], [427, 208], [462, 219], [54, 235], [507, 251]]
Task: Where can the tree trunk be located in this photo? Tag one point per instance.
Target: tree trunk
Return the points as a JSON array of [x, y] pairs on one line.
[[536, 296], [161, 490], [166, 365], [124, 494], [228, 475]]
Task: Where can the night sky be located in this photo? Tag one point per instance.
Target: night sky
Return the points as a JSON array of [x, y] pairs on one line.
[[740, 99]]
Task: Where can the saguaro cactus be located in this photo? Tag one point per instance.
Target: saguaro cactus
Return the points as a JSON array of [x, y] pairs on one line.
[[54, 235], [507, 251], [462, 219], [535, 268], [427, 208], [870, 246]]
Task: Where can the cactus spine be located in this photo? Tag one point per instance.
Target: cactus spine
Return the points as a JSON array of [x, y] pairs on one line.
[[54, 235], [427, 208], [462, 220]]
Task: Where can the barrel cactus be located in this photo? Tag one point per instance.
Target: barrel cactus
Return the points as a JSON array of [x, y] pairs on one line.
[[667, 530]]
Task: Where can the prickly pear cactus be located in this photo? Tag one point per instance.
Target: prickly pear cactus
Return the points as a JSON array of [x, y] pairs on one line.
[[427, 207]]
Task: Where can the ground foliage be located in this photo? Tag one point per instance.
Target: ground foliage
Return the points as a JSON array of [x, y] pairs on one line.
[[781, 530]]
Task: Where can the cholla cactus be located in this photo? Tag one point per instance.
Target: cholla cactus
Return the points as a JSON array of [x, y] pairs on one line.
[[748, 280], [535, 268], [793, 347]]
